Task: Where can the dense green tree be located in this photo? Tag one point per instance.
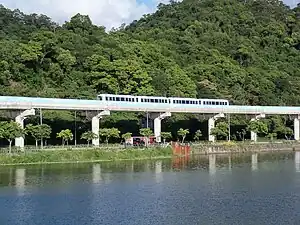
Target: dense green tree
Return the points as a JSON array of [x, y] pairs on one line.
[[9, 131], [65, 135], [198, 135], [165, 136], [258, 127], [146, 132], [244, 51], [108, 133], [221, 131], [182, 133], [126, 136], [89, 136], [38, 132]]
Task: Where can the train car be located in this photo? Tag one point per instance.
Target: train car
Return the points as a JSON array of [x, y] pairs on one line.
[[171, 102], [131, 98]]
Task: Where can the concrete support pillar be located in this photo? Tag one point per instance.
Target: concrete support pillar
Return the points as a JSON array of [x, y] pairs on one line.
[[19, 142], [253, 134], [95, 125], [157, 125], [296, 128], [211, 125]]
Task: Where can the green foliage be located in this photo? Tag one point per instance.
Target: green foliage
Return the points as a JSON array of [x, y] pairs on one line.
[[126, 136], [244, 51], [38, 132], [146, 132], [108, 133], [64, 156], [221, 131], [65, 135], [10, 130], [89, 136], [198, 135], [182, 133], [258, 127], [166, 135]]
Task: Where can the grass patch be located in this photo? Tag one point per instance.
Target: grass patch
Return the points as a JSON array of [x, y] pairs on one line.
[[67, 156]]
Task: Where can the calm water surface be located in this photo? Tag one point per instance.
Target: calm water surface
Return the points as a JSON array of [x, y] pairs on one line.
[[241, 189]]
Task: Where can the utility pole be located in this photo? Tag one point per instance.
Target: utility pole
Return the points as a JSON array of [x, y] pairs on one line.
[[147, 120], [75, 129], [229, 127], [41, 123]]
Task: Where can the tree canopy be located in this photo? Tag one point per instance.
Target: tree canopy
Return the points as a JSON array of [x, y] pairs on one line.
[[244, 51]]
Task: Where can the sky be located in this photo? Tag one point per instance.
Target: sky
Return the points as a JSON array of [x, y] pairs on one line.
[[108, 13]]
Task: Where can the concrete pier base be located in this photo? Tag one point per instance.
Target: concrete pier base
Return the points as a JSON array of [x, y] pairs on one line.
[[253, 134], [211, 125], [96, 126], [19, 142], [157, 125]]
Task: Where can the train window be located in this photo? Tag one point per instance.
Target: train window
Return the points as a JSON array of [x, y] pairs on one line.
[[106, 98], [156, 100], [122, 99], [117, 99], [100, 97]]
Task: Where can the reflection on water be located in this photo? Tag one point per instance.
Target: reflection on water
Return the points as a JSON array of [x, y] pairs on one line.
[[257, 188], [97, 173], [20, 177], [297, 161], [254, 161]]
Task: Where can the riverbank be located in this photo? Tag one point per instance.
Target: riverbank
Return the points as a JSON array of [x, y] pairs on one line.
[[83, 156], [54, 156], [240, 147]]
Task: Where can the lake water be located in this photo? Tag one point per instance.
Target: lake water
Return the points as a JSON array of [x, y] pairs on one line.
[[241, 189]]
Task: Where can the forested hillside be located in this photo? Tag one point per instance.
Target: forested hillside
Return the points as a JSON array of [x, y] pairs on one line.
[[247, 51]]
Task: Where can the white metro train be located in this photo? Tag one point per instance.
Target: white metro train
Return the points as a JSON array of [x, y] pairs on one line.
[[161, 100]]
